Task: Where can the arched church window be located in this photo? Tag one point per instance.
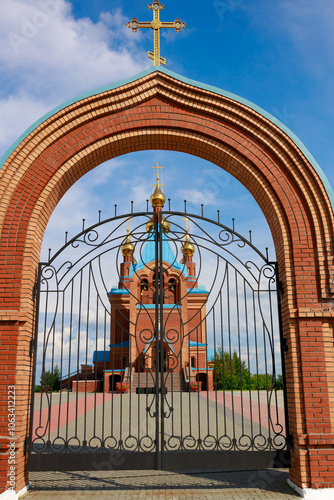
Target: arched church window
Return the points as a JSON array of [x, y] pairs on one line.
[[144, 285], [172, 289], [193, 362]]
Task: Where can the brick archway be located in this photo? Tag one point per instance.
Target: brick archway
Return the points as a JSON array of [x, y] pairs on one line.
[[159, 110]]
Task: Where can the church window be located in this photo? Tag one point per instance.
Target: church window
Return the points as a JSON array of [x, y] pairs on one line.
[[144, 285], [172, 289]]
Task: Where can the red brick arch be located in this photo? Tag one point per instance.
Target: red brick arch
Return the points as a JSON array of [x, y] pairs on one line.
[[158, 110]]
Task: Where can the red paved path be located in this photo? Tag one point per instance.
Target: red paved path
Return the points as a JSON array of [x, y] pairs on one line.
[[68, 411], [243, 406]]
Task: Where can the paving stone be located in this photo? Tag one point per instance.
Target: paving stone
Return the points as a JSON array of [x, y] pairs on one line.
[[128, 485]]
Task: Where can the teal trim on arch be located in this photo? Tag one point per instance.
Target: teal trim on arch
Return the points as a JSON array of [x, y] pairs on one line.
[[194, 83]]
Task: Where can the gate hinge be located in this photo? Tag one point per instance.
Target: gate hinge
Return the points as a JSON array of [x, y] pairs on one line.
[[285, 345], [34, 291], [290, 441], [280, 288], [25, 446], [31, 347]]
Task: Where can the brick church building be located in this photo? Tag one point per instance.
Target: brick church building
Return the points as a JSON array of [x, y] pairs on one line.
[[131, 357]]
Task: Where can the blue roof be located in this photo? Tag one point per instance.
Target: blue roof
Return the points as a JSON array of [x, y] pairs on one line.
[[121, 344], [148, 255], [197, 290], [194, 83], [118, 291], [101, 356], [104, 356], [195, 344]]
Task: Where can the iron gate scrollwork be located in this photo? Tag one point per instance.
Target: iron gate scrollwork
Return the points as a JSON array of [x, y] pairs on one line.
[[158, 346]]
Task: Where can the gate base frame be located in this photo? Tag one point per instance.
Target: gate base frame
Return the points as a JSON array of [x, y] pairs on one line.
[[214, 461]]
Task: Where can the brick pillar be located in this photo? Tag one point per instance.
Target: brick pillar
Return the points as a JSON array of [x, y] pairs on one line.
[[313, 425], [15, 379]]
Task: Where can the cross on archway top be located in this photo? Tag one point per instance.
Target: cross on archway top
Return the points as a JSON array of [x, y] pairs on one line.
[[156, 25]]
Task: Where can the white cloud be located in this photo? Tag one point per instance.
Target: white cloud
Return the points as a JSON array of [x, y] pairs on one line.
[[196, 196], [83, 200], [61, 344], [17, 113], [140, 191], [47, 57]]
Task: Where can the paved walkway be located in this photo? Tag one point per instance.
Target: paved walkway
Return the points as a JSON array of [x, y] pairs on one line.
[[128, 485], [187, 414]]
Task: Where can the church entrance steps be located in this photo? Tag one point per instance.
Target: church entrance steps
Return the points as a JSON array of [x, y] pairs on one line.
[[173, 382]]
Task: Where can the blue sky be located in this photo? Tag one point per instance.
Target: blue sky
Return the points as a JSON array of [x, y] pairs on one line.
[[275, 53]]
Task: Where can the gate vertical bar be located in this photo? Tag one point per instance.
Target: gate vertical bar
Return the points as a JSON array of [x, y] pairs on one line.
[[157, 291], [34, 354], [162, 360]]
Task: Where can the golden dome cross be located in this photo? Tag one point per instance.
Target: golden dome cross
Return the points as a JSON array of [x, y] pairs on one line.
[[186, 219], [128, 220], [158, 167], [156, 25]]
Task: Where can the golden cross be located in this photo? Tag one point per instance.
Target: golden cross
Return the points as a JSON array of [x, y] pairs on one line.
[[187, 223], [156, 26], [127, 220], [158, 167]]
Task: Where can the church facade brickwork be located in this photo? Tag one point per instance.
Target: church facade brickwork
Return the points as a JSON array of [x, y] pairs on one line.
[[133, 313]]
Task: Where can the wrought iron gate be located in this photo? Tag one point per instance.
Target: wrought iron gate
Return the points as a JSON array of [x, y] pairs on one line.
[[176, 366]]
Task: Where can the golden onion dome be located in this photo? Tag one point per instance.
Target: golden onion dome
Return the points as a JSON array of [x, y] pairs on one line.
[[127, 247], [165, 225], [158, 199], [149, 225], [187, 247]]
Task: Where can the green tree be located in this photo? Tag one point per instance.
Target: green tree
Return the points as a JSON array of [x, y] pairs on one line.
[[279, 382], [229, 371], [261, 382], [51, 379]]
